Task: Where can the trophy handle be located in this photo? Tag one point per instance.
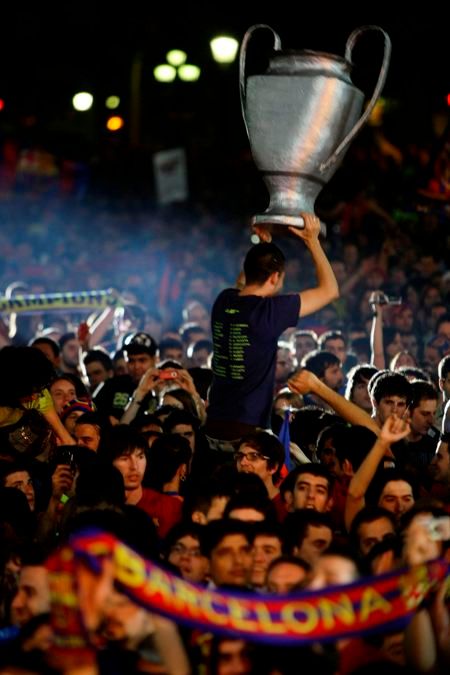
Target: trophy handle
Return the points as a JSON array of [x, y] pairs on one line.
[[377, 91], [242, 60]]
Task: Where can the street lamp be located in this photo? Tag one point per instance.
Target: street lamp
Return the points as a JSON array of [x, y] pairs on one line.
[[224, 48]]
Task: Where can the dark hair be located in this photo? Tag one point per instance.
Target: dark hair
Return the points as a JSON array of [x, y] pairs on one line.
[[66, 338], [180, 417], [331, 335], [444, 367], [357, 375], [80, 390], [184, 397], [167, 454], [383, 477], [170, 343], [318, 361], [24, 371], [314, 470], [389, 384], [414, 372], [261, 261], [124, 440], [182, 529], [422, 391], [217, 530], [368, 514], [352, 443], [295, 526], [100, 355], [268, 445], [306, 425], [54, 346]]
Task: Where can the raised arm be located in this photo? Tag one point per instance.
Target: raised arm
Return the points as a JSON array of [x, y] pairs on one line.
[[305, 382], [376, 332], [327, 288], [394, 429]]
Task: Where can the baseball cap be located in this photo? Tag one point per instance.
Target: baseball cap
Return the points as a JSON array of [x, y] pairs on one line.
[[138, 343]]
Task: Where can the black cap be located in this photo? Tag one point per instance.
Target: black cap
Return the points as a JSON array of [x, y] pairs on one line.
[[138, 343]]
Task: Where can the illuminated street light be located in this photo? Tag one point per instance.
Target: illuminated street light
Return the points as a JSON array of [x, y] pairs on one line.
[[224, 49], [165, 73], [82, 101], [176, 57], [112, 102], [115, 123], [188, 72]]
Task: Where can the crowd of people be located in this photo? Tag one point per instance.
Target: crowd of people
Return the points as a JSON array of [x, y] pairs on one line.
[[256, 440]]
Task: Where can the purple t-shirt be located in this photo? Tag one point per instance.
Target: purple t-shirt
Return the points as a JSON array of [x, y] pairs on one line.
[[245, 333]]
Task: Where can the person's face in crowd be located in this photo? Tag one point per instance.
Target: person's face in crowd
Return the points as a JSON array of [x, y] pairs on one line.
[[187, 556], [21, 480], [120, 366], [62, 391], [70, 353], [316, 541], [397, 497], [138, 364], [431, 297], [333, 570], [200, 358], [172, 353], [233, 658], [423, 416], [351, 256], [404, 320], [334, 377], [284, 364], [230, 560], [404, 359], [97, 373], [265, 548], [312, 492], [432, 354], [373, 532], [410, 344], [70, 420], [33, 595], [285, 577], [328, 458], [132, 467], [187, 431], [395, 346], [249, 460], [197, 313], [303, 345], [337, 347], [444, 385], [124, 621], [87, 435], [440, 464], [390, 405], [360, 395], [444, 329]]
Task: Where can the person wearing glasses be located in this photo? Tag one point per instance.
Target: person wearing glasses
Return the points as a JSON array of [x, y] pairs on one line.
[[263, 454]]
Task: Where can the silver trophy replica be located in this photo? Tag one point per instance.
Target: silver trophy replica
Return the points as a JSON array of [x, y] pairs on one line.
[[301, 116]]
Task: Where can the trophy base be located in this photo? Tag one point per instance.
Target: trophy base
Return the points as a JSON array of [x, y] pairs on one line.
[[278, 224]]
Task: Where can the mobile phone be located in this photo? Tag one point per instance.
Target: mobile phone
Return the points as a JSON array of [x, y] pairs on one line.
[[65, 456], [168, 374]]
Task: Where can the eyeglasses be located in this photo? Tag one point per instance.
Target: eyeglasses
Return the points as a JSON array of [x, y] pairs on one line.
[[180, 549], [249, 456]]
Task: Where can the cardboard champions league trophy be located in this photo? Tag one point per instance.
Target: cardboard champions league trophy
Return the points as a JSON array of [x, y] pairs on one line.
[[301, 116]]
